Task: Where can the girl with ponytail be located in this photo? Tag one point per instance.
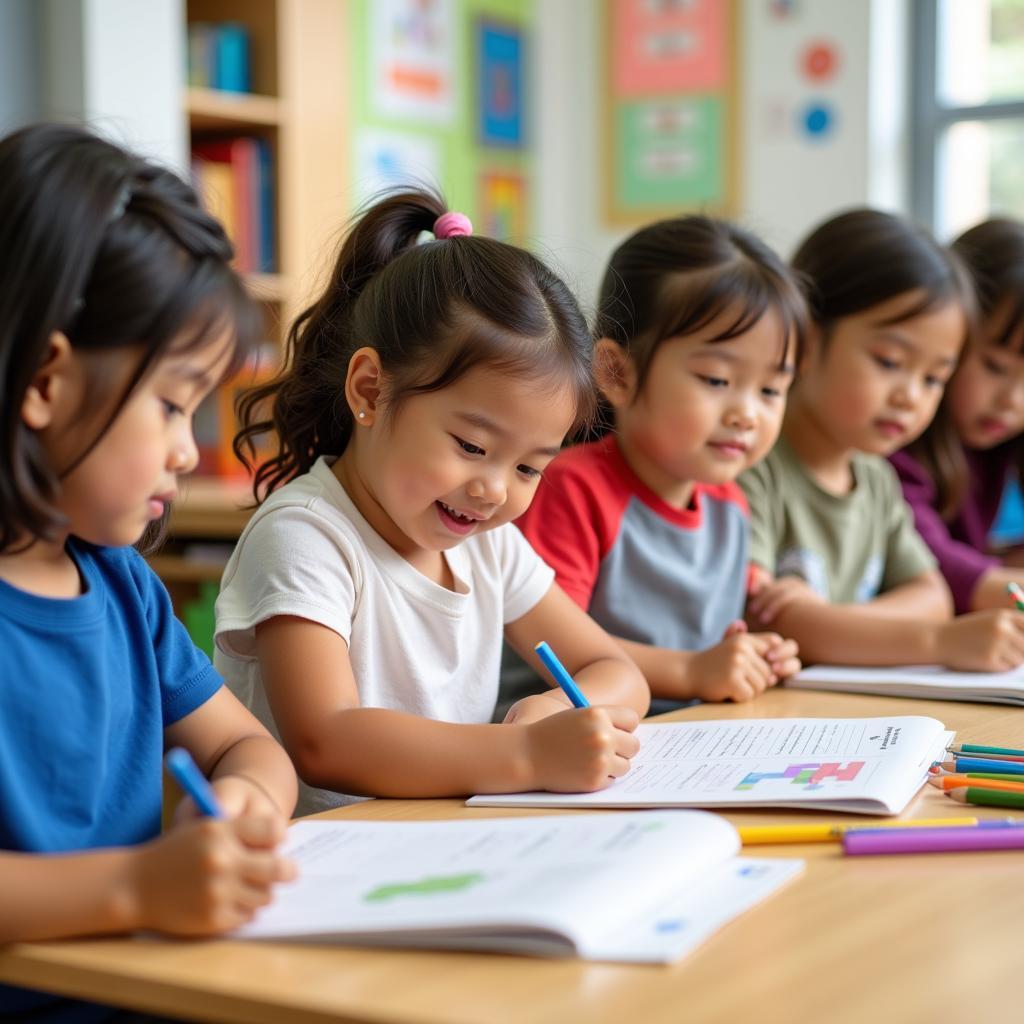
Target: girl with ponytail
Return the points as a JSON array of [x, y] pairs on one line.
[[361, 615]]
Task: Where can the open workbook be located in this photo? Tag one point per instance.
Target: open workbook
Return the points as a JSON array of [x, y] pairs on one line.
[[638, 887], [931, 682], [865, 765]]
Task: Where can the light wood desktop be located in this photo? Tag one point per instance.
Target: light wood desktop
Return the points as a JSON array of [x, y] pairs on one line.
[[898, 938]]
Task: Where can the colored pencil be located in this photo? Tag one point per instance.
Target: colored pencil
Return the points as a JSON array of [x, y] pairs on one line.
[[977, 748], [948, 782], [566, 681], [986, 797], [979, 764], [933, 840], [759, 835], [194, 783], [1016, 758], [941, 773]]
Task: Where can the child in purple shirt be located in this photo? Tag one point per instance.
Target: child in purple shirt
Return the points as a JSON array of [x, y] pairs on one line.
[[954, 475]]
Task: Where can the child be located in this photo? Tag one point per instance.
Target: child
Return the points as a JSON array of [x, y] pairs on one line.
[[890, 311], [646, 528], [954, 475], [118, 312], [361, 614]]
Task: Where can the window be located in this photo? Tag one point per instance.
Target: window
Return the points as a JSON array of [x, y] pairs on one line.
[[968, 100]]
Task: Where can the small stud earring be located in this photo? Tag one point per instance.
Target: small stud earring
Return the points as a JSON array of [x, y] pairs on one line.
[[362, 415]]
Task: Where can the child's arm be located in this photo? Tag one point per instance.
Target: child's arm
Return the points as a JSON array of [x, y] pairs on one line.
[[925, 597], [250, 772], [738, 668], [336, 744], [990, 590], [990, 641], [202, 878]]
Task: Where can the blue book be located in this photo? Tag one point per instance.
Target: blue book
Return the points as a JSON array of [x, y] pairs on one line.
[[264, 221], [232, 58]]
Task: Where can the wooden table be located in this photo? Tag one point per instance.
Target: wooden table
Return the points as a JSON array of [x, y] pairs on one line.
[[894, 938]]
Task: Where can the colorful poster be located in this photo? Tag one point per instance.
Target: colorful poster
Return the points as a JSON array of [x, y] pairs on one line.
[[669, 154], [500, 63], [502, 205], [661, 47], [412, 59], [387, 160]]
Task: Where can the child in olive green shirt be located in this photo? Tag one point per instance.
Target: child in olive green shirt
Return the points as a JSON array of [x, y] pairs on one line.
[[836, 563]]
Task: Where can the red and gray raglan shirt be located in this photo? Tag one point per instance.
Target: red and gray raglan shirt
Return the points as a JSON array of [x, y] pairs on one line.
[[646, 571]]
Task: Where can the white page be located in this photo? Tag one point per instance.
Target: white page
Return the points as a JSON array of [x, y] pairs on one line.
[[927, 681], [569, 875], [685, 919], [870, 765]]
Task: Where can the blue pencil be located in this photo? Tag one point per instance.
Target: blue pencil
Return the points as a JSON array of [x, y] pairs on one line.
[[560, 676], [978, 764], [192, 781]]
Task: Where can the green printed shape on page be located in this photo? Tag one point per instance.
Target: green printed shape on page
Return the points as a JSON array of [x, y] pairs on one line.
[[424, 887]]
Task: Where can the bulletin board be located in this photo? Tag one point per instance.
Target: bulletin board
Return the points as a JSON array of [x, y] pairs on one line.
[[670, 108], [441, 98]]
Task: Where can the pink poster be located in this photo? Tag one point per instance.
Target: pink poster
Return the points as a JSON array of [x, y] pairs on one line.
[[668, 46]]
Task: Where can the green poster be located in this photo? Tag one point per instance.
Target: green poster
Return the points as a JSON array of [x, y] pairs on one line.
[[669, 153]]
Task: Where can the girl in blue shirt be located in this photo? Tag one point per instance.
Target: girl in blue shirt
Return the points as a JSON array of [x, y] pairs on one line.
[[119, 312]]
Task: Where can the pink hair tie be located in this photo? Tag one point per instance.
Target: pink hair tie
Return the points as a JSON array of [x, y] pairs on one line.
[[448, 225]]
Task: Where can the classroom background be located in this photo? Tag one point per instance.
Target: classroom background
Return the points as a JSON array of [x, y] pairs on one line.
[[559, 124]]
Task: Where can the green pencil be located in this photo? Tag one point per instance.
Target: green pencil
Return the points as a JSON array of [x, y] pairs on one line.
[[977, 748], [986, 797]]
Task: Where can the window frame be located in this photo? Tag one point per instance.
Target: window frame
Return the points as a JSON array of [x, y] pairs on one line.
[[930, 118]]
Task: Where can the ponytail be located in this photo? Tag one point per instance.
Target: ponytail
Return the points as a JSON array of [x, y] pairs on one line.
[[431, 311]]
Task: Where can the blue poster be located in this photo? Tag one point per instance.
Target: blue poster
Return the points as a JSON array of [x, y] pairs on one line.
[[501, 84]]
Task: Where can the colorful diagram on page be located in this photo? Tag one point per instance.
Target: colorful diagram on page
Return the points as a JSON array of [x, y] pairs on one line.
[[809, 775]]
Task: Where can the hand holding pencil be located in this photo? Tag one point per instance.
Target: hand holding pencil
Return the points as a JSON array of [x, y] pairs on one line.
[[581, 749]]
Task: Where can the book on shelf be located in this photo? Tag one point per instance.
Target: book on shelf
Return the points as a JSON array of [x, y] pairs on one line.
[[234, 177], [219, 56], [863, 765], [643, 887], [929, 682]]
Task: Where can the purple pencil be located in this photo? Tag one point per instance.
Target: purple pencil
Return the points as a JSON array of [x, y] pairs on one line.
[[933, 840]]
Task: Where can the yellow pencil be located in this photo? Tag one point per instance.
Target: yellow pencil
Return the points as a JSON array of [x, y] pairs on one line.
[[757, 835]]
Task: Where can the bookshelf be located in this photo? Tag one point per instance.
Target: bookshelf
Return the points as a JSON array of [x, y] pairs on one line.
[[297, 109]]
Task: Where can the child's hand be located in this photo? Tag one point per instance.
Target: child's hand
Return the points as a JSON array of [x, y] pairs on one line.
[[988, 641], [739, 668], [771, 599], [535, 707], [582, 749], [207, 876], [239, 796]]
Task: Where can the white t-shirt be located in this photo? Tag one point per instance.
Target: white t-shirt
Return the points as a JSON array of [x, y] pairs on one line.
[[415, 646]]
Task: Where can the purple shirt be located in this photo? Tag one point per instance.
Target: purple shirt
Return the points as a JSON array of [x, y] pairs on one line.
[[961, 545]]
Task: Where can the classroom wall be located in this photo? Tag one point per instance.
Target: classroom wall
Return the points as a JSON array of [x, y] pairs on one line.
[[118, 64], [114, 64], [19, 64], [787, 181]]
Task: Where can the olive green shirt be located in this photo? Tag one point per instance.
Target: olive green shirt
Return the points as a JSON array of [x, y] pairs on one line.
[[848, 548]]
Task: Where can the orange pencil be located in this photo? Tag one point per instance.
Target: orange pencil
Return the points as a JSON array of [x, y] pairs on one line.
[[954, 781], [945, 782]]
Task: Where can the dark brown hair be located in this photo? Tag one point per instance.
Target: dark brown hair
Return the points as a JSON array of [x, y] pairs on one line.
[[993, 253], [677, 276], [117, 254], [433, 311], [863, 258]]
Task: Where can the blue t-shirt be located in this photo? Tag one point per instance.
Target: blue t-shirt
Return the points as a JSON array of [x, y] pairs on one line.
[[87, 687]]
